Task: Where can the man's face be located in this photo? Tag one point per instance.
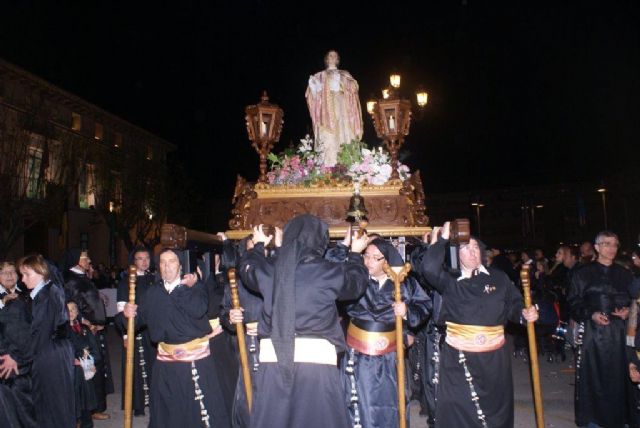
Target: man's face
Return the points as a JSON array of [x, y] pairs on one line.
[[141, 260], [539, 254], [332, 60], [470, 256], [84, 262], [586, 249], [560, 255], [8, 277], [374, 261], [169, 266], [607, 248], [635, 257]]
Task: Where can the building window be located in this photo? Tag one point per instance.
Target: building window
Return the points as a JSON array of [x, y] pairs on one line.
[[117, 142], [35, 187], [86, 187], [99, 134], [76, 122]]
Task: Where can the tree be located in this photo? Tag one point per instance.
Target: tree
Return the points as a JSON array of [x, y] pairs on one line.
[[37, 169], [131, 196]]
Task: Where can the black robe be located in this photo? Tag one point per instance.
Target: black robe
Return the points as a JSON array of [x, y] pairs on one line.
[[427, 346], [16, 404], [81, 290], [602, 369], [223, 350], [175, 318], [251, 302], [84, 390], [52, 370], [470, 302], [375, 376], [315, 397], [145, 352]]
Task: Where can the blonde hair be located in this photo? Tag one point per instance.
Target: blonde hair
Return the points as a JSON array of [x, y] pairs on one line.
[[36, 263]]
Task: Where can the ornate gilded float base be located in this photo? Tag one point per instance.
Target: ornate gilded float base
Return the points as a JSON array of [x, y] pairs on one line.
[[395, 208]]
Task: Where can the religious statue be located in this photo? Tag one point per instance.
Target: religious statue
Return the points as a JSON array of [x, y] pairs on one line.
[[334, 105]]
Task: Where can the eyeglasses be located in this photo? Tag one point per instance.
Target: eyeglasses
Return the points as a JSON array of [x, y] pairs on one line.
[[373, 257], [608, 244]]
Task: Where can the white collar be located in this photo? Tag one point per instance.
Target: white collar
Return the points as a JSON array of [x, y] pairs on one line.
[[170, 286], [16, 289], [77, 270], [37, 289], [481, 269]]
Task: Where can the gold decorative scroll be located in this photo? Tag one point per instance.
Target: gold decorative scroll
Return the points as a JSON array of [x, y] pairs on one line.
[[339, 232]]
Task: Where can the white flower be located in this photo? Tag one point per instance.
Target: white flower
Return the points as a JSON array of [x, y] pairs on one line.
[[306, 144]]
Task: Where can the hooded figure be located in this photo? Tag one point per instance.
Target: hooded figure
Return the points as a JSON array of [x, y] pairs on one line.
[[298, 383], [79, 289], [369, 366]]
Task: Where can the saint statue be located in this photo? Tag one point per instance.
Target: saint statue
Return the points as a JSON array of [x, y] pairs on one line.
[[334, 105]]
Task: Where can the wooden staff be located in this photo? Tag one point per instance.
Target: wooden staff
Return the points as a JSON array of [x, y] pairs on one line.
[[131, 335], [244, 362], [398, 274], [533, 351]]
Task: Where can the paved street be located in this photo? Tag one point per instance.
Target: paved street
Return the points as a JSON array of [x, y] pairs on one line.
[[556, 378]]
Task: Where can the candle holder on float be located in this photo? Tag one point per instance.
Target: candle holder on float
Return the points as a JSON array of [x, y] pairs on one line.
[[357, 212], [264, 126], [391, 119]]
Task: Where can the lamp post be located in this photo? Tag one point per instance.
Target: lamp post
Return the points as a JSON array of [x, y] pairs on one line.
[[391, 119], [478, 205], [264, 125], [603, 191]]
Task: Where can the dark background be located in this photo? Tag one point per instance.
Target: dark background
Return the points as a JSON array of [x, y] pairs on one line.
[[519, 92]]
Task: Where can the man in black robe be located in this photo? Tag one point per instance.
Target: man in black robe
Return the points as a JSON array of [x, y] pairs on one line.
[[145, 353], [370, 362], [185, 391], [475, 386], [298, 383], [80, 289], [599, 300]]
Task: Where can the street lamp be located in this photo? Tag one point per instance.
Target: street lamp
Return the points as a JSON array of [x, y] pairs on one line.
[[264, 125], [394, 80], [603, 191], [422, 97], [477, 205]]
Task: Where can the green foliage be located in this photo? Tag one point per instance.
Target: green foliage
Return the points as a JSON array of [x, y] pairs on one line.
[[350, 153]]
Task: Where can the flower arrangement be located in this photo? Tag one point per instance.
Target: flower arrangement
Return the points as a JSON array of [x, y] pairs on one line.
[[356, 163]]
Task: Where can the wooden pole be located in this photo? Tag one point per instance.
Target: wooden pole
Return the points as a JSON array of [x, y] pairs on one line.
[[244, 362], [131, 335], [533, 350], [398, 274]]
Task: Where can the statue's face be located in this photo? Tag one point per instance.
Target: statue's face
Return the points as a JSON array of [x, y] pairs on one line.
[[332, 59]]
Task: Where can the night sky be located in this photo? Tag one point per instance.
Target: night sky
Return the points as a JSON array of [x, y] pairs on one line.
[[519, 92]]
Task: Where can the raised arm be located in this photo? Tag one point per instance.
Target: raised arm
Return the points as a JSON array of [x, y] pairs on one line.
[[432, 269]]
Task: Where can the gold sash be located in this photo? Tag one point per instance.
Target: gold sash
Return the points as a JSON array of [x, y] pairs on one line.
[[193, 350], [475, 338]]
